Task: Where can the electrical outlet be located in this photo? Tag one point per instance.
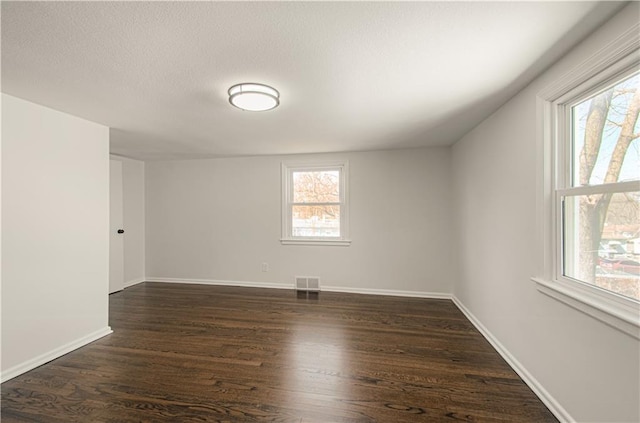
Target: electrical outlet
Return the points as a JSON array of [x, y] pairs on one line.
[[265, 267]]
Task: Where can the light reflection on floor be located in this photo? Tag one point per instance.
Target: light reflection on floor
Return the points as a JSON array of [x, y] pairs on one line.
[[319, 362]]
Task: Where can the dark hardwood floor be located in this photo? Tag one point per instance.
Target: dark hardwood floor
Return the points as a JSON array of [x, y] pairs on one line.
[[195, 353]]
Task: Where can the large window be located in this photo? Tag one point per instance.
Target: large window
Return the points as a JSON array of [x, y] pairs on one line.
[[315, 203], [589, 187], [598, 196]]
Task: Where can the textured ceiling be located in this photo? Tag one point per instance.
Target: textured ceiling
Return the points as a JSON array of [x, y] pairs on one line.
[[352, 76]]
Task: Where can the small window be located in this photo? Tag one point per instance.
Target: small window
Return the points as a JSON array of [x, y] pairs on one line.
[[315, 204], [598, 199]]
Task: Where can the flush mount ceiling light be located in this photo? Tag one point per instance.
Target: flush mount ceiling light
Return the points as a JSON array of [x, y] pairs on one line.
[[254, 97]]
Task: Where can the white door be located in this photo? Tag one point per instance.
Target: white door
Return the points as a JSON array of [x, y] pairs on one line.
[[116, 238]]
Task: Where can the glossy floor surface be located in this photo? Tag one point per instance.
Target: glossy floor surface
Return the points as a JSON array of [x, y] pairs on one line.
[[195, 353]]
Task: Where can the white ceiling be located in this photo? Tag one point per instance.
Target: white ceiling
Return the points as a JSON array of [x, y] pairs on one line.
[[352, 76]]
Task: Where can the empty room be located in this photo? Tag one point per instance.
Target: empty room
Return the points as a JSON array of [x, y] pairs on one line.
[[320, 212]]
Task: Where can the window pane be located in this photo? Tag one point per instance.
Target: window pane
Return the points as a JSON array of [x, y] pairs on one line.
[[316, 221], [316, 187], [606, 255], [603, 127]]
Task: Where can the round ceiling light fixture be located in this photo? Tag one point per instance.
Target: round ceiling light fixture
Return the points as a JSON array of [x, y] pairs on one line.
[[254, 97]]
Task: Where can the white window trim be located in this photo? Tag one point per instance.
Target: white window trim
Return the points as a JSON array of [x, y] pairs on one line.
[[605, 65], [287, 173]]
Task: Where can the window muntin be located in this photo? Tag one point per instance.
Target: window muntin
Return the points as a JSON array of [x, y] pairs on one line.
[[598, 202], [315, 203]]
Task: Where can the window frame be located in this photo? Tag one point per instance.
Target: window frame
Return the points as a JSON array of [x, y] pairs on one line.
[[287, 171], [610, 64], [565, 186]]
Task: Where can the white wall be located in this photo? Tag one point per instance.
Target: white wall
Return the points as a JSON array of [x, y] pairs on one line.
[[55, 222], [219, 219], [589, 368], [133, 217]]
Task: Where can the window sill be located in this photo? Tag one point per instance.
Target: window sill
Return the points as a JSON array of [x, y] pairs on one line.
[[615, 311], [327, 242]]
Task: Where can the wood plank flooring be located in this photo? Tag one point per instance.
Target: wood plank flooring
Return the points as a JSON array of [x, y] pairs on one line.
[[196, 353]]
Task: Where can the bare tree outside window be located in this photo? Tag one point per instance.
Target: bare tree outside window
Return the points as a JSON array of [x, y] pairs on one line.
[[316, 203]]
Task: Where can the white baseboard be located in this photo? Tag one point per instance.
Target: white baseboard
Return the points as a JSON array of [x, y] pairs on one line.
[[221, 282], [133, 282], [552, 404], [390, 292], [53, 354]]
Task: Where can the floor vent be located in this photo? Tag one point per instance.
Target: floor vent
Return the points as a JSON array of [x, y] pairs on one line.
[[308, 283]]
